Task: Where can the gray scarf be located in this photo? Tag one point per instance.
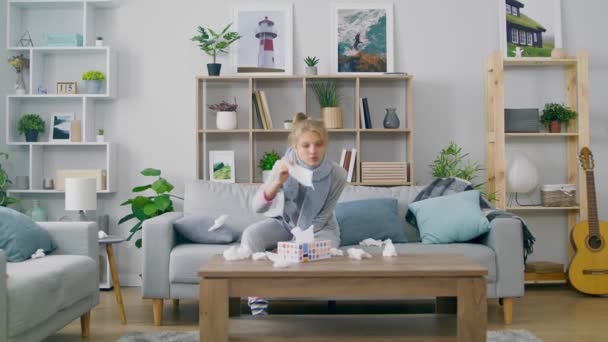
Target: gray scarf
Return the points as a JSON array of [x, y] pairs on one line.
[[313, 199]]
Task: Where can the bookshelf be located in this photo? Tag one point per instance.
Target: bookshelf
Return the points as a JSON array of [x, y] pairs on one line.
[[575, 137], [287, 95]]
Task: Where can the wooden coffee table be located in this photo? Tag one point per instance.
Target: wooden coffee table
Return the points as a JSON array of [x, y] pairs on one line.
[[458, 283]]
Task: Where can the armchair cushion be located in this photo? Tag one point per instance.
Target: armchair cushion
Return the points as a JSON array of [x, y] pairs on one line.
[[20, 237], [195, 227]]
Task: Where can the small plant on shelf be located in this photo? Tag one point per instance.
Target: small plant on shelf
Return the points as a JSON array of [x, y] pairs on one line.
[[31, 125], [226, 114], [100, 135], [213, 43], [329, 100], [93, 75], [267, 162], [5, 199], [224, 106], [554, 114], [100, 132], [311, 65]]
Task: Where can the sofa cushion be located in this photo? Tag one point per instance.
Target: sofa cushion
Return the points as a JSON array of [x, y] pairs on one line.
[[39, 288], [187, 259], [20, 237], [482, 254], [451, 218], [376, 218], [195, 228]]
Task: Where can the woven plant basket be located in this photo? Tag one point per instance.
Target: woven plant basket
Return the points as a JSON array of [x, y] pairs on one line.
[[332, 117], [558, 195]]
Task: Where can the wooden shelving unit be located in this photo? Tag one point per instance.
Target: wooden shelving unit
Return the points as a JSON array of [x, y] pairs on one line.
[[577, 135], [291, 94]]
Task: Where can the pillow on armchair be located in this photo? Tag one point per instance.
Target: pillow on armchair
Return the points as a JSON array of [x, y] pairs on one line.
[[20, 236], [376, 218], [195, 228], [451, 218]]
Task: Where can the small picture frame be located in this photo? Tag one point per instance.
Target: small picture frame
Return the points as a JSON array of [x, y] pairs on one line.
[[65, 88], [221, 166], [60, 127]]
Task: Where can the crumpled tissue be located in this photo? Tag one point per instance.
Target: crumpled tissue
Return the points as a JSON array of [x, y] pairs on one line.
[[389, 249], [301, 174], [237, 253], [357, 253], [218, 222], [277, 261], [336, 252], [371, 242], [39, 254], [259, 256]]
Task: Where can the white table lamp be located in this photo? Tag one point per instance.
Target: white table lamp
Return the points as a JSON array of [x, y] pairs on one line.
[[521, 175], [80, 195]]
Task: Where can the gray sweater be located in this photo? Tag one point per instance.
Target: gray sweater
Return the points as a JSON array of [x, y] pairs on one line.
[[325, 220]]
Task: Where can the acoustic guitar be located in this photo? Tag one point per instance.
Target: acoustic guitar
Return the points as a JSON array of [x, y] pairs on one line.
[[588, 272]]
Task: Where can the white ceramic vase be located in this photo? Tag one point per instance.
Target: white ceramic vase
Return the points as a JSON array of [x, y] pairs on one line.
[[226, 120], [100, 138], [266, 175]]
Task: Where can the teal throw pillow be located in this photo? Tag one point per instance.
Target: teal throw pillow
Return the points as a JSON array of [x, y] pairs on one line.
[[452, 218], [20, 237], [376, 218]]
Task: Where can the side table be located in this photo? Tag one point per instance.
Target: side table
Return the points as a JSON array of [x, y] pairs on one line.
[[108, 241]]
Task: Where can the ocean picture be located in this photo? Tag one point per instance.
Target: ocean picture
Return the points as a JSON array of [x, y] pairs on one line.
[[362, 40]]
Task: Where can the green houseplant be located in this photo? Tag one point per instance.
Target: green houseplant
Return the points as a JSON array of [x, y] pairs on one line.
[[450, 162], [267, 162], [311, 65], [554, 114], [31, 125], [329, 100], [145, 207], [93, 80], [5, 199], [213, 43]]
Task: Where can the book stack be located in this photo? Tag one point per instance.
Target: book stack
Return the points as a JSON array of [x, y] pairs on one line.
[[347, 160], [383, 172], [261, 110]]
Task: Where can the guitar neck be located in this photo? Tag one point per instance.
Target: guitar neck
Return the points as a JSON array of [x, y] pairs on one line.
[[594, 227]]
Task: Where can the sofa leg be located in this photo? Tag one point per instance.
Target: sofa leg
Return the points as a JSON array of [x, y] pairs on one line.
[[157, 307], [507, 308], [85, 324]]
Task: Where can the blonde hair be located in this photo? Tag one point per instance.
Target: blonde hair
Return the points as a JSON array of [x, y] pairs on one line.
[[302, 124]]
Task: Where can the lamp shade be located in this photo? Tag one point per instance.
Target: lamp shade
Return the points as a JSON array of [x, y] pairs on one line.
[[522, 175], [80, 194]]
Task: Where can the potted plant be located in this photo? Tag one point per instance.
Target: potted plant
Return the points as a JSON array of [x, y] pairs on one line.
[[145, 207], [5, 199], [226, 114], [311, 65], [19, 62], [554, 114], [93, 80], [31, 125], [327, 94], [213, 43], [267, 162], [100, 136], [99, 41]]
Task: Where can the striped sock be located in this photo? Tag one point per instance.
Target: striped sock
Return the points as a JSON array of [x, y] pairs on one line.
[[258, 306]]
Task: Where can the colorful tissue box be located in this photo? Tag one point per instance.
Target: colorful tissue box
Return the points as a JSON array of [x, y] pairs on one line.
[[62, 39], [305, 251]]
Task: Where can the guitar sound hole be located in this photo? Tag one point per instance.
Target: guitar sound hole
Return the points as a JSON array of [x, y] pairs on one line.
[[595, 242]]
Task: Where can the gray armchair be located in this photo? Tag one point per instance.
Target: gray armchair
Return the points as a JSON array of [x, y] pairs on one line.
[[40, 296]]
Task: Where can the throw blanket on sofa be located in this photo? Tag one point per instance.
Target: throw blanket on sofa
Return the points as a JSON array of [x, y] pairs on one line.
[[447, 186]]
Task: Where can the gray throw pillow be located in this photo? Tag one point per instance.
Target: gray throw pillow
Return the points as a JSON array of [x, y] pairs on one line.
[[195, 228]]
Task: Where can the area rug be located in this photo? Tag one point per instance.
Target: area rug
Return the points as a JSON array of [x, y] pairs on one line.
[[168, 336]]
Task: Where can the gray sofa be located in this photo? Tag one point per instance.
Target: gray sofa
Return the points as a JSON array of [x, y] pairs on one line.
[[170, 267], [40, 296]]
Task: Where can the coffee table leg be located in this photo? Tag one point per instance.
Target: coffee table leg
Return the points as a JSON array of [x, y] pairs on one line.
[[472, 310], [213, 310]]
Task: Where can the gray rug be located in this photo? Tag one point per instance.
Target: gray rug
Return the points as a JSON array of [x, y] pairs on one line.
[[168, 336]]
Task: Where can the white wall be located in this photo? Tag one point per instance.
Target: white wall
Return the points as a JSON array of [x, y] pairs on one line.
[[443, 43]]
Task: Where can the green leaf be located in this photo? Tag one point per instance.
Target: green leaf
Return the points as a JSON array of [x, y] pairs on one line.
[[131, 235], [136, 227], [140, 201], [162, 186], [213, 33], [151, 172], [222, 45], [126, 218], [141, 188], [140, 214], [162, 202], [138, 243], [150, 210], [226, 29], [129, 201]]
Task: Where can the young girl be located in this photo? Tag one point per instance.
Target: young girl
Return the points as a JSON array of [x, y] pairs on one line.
[[288, 204]]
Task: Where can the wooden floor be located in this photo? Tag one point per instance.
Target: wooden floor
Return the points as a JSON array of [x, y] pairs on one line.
[[553, 313]]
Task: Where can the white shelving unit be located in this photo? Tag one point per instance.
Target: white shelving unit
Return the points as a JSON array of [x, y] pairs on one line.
[[49, 65]]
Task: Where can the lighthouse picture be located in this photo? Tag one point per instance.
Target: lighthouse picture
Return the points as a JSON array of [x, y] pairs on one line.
[[266, 40]]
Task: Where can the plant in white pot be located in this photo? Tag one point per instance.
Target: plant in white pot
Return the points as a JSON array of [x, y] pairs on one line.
[[213, 43], [311, 65], [327, 94], [100, 135], [94, 80], [226, 114], [266, 164]]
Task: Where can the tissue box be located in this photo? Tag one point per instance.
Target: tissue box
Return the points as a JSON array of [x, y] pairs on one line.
[[304, 251], [62, 39]]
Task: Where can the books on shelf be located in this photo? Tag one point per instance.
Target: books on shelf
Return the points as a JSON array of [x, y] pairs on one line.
[[377, 172], [261, 109], [366, 121], [347, 160]]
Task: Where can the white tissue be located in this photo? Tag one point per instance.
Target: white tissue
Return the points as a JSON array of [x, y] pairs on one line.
[[39, 254], [277, 261], [301, 174], [371, 242], [304, 236], [237, 253], [389, 249], [336, 252], [101, 234], [357, 253], [218, 222], [259, 256]]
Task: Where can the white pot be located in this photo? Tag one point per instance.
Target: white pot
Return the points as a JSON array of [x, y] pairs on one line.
[[226, 120], [100, 138], [266, 175], [311, 70]]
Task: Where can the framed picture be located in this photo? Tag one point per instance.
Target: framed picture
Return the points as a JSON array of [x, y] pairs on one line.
[[266, 44], [221, 166], [362, 38], [60, 127], [530, 28]]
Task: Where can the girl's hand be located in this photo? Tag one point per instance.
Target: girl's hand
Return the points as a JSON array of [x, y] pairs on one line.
[[283, 171]]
